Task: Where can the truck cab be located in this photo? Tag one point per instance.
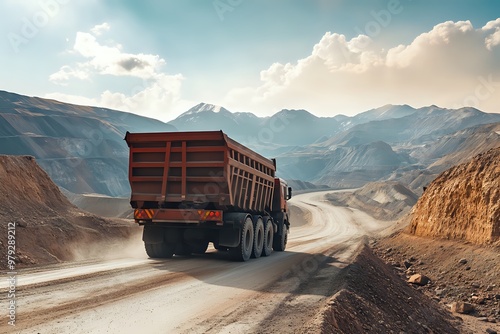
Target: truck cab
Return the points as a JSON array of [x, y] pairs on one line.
[[282, 193], [280, 213]]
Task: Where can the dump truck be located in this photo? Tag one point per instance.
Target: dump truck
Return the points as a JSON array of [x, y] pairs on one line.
[[189, 189]]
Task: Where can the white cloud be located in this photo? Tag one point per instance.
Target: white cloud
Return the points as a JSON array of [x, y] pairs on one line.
[[159, 95], [100, 28], [74, 99], [163, 92], [493, 39], [159, 98], [67, 72], [452, 65], [444, 66], [107, 59], [440, 42], [340, 54]]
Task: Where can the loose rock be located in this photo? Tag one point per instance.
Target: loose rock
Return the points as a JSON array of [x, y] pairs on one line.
[[461, 307], [419, 279], [440, 292]]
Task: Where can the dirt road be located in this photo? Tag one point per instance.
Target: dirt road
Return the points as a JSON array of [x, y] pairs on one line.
[[200, 294]]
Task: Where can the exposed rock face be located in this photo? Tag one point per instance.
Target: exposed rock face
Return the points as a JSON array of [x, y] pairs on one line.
[[463, 202]]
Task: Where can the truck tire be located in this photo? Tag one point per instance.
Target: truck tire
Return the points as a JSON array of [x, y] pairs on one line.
[[268, 238], [244, 250], [280, 241], [258, 240], [161, 250]]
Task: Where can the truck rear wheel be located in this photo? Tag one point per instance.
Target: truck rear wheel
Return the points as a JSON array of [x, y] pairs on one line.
[[268, 238], [258, 240], [280, 241], [244, 250], [160, 250]]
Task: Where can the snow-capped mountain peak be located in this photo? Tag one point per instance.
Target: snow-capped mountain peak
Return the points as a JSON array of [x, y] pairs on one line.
[[204, 107]]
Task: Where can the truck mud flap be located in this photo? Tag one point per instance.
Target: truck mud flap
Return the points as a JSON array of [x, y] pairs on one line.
[[230, 237]]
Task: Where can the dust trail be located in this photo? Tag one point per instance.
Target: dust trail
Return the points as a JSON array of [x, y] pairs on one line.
[[130, 246]]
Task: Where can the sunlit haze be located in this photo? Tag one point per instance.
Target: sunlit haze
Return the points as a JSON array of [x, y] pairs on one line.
[[160, 58]]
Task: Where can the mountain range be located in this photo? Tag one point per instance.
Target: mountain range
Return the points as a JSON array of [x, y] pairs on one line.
[[80, 147], [83, 151], [390, 142]]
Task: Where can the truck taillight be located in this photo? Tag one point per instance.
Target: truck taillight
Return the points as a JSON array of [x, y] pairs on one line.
[[143, 214], [214, 215]]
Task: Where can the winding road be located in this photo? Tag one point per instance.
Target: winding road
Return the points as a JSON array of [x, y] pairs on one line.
[[199, 294]]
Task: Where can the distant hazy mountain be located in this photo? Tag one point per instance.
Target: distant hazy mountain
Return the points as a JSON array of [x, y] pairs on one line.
[[424, 124], [385, 112], [457, 147], [289, 127], [299, 127], [264, 134], [414, 147], [203, 117], [81, 148], [435, 156], [343, 166]]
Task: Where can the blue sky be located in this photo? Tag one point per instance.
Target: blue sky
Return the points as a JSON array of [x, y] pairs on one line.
[[158, 58]]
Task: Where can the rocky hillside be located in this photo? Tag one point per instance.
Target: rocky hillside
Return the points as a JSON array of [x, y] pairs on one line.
[[80, 147], [26, 189], [463, 202], [48, 228]]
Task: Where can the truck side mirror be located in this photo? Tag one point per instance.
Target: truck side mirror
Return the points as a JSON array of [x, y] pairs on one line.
[[289, 193]]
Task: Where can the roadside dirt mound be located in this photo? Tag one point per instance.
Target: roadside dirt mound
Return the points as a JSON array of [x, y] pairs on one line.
[[383, 200], [463, 202], [374, 300], [27, 188], [48, 228], [458, 272]]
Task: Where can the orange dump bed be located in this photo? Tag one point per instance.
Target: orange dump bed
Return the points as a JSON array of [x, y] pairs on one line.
[[172, 169]]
